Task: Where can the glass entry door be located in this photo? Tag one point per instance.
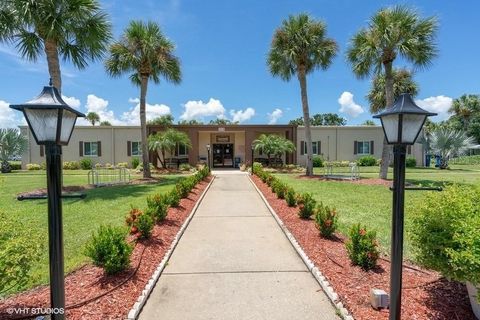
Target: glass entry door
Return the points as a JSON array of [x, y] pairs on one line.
[[223, 155]]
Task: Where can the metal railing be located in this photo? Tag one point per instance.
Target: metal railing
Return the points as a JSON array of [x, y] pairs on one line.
[[108, 176]]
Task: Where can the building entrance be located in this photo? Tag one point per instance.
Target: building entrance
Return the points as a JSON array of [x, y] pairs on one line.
[[223, 155]]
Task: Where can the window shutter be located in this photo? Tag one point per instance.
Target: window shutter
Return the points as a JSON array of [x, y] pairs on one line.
[[80, 148], [302, 147], [355, 147], [371, 147], [99, 148], [42, 151], [129, 148], [319, 147]]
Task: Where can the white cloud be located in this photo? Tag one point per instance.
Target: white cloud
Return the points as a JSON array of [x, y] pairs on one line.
[[152, 111], [242, 115], [199, 109], [348, 105], [274, 116], [72, 101], [8, 117], [438, 104]]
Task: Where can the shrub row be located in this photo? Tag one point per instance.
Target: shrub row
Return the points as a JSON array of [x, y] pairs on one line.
[[362, 246], [109, 248]]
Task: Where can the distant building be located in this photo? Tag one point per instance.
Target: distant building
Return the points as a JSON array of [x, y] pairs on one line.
[[230, 144]]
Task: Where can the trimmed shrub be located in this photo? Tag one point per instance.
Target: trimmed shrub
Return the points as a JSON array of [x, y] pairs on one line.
[[366, 161], [306, 205], [326, 220], [15, 165], [291, 197], [33, 166], [446, 232], [185, 167], [109, 249], [279, 188], [257, 168], [174, 198], [144, 225], [135, 162], [86, 163], [362, 247], [411, 162], [122, 165], [317, 162], [71, 165], [158, 211], [18, 251]]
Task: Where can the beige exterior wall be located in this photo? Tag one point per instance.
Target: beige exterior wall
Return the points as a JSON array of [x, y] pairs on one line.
[[113, 144], [337, 143]]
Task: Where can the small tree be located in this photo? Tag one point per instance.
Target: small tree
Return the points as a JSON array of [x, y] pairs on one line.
[[448, 143], [105, 123], [273, 145], [12, 143], [93, 118], [167, 141]]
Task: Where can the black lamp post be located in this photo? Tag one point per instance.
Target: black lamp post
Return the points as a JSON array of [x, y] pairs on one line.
[[52, 121], [208, 155], [401, 124], [253, 150]]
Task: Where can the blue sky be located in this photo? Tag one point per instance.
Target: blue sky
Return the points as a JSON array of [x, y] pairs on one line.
[[223, 47]]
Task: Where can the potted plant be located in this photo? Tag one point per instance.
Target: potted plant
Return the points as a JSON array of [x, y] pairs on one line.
[[446, 236]]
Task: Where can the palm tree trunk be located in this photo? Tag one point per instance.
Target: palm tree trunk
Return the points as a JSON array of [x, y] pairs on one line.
[[387, 149], [302, 78], [51, 51], [143, 125]]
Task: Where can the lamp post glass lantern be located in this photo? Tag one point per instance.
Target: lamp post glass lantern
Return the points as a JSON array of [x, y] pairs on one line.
[[51, 122], [401, 123]]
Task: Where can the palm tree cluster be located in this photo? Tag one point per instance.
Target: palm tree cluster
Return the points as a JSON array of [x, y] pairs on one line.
[[273, 145], [392, 32], [167, 141], [12, 143], [79, 31]]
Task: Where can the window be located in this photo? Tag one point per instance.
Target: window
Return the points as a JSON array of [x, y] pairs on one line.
[[363, 147], [90, 149], [316, 147], [136, 148], [182, 150]]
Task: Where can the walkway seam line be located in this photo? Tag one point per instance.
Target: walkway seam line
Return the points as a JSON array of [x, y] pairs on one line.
[[317, 274], [142, 299]]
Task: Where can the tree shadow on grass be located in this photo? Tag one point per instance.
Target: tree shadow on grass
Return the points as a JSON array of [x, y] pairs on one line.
[[429, 183]]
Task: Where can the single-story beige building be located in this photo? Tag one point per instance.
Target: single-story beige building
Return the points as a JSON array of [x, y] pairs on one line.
[[230, 144]]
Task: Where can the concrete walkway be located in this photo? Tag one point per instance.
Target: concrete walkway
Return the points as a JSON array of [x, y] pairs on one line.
[[234, 262]]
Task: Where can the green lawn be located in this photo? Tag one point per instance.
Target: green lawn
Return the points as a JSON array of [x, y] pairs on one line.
[[371, 205], [107, 205]]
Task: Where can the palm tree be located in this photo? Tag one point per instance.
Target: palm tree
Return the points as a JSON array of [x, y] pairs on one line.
[[402, 83], [448, 143], [145, 52], [273, 145], [167, 141], [166, 120], [75, 30], [12, 143], [392, 32], [299, 47], [465, 107], [93, 117]]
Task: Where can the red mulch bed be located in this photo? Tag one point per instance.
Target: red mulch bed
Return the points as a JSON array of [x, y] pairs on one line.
[[90, 281], [425, 295]]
